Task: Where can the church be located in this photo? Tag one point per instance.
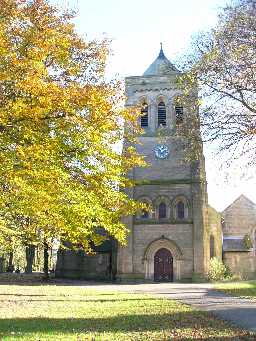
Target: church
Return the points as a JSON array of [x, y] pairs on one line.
[[177, 238]]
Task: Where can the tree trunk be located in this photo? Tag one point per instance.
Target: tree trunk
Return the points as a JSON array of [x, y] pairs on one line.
[[10, 267], [30, 256], [46, 261], [1, 264]]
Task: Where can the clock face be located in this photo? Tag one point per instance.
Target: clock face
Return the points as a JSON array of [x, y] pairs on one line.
[[162, 151]]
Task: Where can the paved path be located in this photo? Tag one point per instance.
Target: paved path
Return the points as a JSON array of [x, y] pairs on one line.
[[240, 312]]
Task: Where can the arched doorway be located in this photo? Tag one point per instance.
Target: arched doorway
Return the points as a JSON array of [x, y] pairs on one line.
[[163, 266], [150, 252]]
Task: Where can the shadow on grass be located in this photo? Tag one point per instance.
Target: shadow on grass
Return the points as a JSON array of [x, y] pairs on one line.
[[37, 280], [86, 300], [122, 323], [243, 292], [27, 295]]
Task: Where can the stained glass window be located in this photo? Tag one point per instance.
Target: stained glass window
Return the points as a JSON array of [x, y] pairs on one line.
[[180, 210], [162, 210], [212, 250]]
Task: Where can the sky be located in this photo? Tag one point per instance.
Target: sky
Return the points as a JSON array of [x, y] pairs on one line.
[[136, 28]]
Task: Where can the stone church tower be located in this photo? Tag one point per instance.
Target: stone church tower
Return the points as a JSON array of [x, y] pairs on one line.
[[171, 242]]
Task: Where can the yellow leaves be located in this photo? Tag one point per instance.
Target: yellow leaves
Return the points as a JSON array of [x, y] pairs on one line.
[[60, 124]]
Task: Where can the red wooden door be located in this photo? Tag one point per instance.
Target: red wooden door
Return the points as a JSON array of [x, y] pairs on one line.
[[163, 266]]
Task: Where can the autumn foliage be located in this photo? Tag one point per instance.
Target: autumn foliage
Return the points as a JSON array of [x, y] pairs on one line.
[[60, 121]]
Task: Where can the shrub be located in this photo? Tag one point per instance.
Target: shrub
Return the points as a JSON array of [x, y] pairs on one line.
[[247, 242], [218, 271]]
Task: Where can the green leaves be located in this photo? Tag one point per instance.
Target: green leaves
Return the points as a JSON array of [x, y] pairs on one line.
[[60, 121]]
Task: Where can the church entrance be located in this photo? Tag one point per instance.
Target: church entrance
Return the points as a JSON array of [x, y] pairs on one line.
[[163, 266]]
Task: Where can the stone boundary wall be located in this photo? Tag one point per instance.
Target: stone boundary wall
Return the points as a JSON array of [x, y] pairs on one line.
[[242, 264]]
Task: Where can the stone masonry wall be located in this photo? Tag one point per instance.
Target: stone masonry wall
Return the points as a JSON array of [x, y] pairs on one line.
[[214, 225], [181, 234], [77, 265], [240, 217], [164, 179], [241, 264]]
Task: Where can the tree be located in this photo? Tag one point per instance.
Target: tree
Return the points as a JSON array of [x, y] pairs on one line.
[[222, 69], [30, 256], [60, 121]]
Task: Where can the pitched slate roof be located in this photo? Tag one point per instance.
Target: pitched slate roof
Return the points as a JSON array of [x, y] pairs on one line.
[[234, 244], [241, 200], [160, 66]]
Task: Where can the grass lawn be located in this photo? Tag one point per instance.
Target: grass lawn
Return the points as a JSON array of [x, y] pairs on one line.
[[243, 289], [49, 312]]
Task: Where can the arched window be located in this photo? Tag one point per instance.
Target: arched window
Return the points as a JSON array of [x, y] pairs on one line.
[[144, 214], [146, 211], [144, 117], [212, 247], [179, 114], [180, 210], [161, 114], [162, 210]]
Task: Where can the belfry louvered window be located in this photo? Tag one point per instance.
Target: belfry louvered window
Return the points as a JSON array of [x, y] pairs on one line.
[[161, 114], [144, 117], [179, 114]]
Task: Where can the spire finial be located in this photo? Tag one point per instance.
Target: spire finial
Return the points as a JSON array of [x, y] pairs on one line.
[[161, 53]]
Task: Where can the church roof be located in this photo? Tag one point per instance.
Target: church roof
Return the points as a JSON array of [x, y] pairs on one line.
[[160, 66], [241, 201], [234, 244]]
